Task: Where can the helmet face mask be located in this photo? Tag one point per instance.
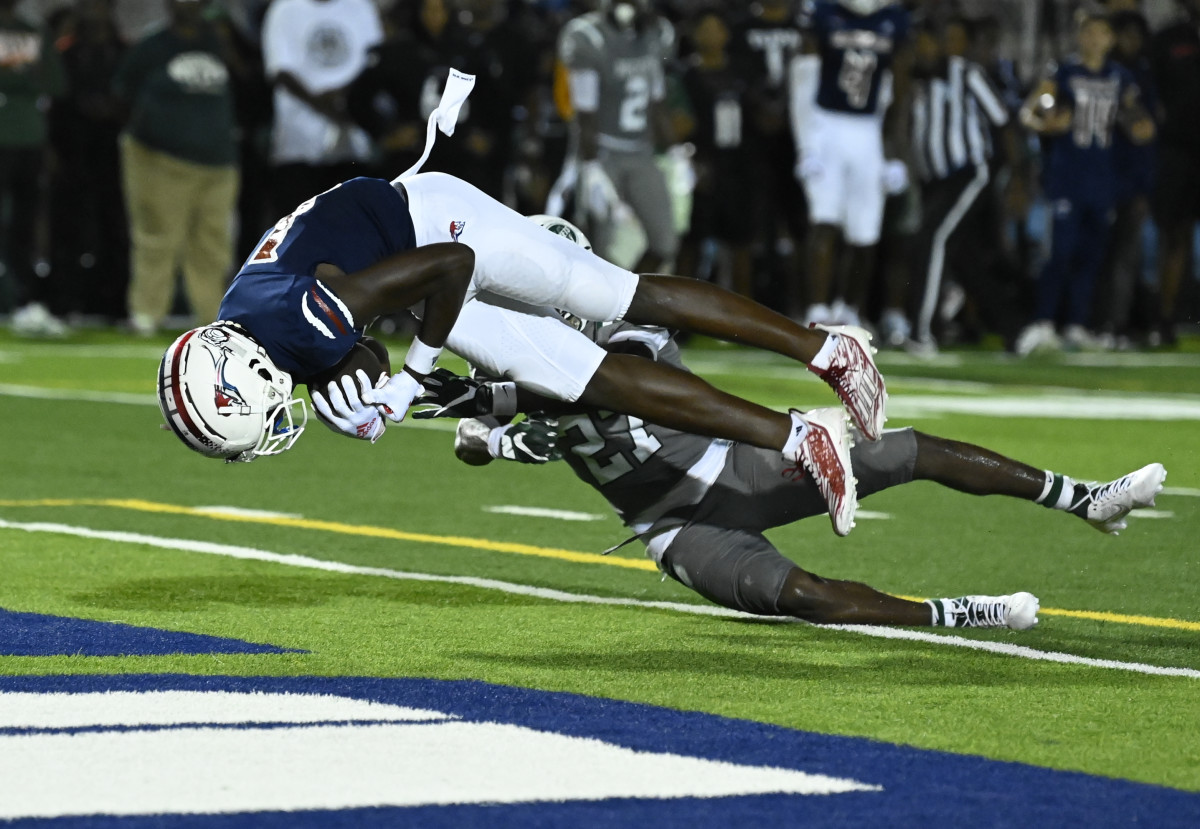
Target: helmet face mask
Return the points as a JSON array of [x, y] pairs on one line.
[[223, 396]]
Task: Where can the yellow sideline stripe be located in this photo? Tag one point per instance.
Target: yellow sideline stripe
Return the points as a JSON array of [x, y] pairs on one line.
[[485, 544], [344, 529]]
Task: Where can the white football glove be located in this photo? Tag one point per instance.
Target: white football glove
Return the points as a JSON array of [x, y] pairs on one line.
[[392, 396], [343, 410], [895, 176], [596, 191]]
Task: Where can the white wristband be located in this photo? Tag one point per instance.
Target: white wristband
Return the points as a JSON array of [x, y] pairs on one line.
[[504, 399], [494, 438], [421, 358]]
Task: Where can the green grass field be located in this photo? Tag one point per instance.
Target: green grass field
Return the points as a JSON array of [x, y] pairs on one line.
[[81, 447]]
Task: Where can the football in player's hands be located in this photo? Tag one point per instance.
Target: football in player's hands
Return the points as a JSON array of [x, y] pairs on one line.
[[367, 355]]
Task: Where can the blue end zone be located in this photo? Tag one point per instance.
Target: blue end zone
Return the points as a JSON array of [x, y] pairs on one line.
[[35, 634], [919, 786]]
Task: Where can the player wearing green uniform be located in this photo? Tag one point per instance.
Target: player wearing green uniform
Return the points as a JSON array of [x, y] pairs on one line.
[[615, 60], [701, 506]]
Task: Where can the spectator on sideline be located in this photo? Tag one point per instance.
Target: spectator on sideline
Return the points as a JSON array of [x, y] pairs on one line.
[[719, 95], [1077, 108], [179, 155], [764, 40], [30, 71], [1175, 58], [89, 238], [312, 51], [1122, 271]]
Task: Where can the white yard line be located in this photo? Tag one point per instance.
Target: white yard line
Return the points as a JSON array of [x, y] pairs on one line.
[[250, 553], [544, 512]]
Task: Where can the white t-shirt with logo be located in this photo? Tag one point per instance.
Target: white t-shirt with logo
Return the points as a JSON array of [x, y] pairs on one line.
[[324, 44]]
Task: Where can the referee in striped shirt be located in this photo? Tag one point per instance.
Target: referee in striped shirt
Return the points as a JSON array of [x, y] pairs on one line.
[[956, 112]]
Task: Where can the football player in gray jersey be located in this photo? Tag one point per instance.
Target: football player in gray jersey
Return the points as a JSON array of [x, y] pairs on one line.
[[701, 505], [615, 59]]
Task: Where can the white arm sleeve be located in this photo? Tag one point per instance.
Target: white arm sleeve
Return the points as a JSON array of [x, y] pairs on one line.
[[802, 84], [584, 85]]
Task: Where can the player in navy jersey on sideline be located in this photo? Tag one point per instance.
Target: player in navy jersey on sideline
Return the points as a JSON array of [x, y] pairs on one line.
[[490, 280], [701, 506], [1077, 108], [850, 104]]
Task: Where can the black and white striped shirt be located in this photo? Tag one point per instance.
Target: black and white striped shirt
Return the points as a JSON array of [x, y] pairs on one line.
[[953, 113]]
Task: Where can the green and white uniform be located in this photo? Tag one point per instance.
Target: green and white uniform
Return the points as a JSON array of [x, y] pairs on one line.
[[617, 74]]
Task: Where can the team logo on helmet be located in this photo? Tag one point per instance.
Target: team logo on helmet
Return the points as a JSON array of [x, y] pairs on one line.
[[456, 229], [228, 399]]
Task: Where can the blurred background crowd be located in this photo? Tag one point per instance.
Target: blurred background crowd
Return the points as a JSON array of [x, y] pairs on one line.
[[146, 145]]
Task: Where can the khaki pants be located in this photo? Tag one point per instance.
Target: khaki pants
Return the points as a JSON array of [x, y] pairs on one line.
[[181, 215]]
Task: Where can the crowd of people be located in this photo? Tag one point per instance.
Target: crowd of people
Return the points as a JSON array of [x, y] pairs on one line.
[[855, 162]]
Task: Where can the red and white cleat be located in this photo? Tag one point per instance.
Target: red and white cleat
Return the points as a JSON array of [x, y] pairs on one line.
[[853, 375], [825, 455]]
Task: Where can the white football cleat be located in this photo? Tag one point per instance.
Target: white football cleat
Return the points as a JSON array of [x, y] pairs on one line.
[[1105, 506], [853, 375], [1017, 612], [825, 455]]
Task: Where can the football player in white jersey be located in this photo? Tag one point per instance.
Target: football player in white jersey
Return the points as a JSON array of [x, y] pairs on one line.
[[849, 101]]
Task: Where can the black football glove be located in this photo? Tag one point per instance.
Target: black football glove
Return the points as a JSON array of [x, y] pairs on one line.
[[530, 441], [456, 396]]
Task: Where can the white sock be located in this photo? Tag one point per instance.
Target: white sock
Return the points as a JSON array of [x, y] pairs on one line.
[[796, 437], [1057, 493], [825, 355]]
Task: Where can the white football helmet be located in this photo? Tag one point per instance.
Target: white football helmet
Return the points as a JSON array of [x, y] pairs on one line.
[[865, 7], [562, 227], [223, 397]]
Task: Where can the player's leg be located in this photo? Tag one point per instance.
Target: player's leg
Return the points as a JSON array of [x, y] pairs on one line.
[[742, 570], [644, 187], [978, 471], [863, 217], [208, 249], [539, 352], [518, 259], [156, 186]]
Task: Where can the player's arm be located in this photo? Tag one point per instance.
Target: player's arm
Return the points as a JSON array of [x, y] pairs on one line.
[[437, 274]]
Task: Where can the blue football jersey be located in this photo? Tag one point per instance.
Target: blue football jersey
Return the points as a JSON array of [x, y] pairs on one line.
[[1080, 164], [856, 53], [303, 325]]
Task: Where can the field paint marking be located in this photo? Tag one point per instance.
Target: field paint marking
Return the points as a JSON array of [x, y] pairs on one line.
[[543, 512], [1152, 513], [135, 399], [345, 529], [1059, 404], [872, 515], [293, 560], [1190, 492], [220, 510], [496, 546]]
